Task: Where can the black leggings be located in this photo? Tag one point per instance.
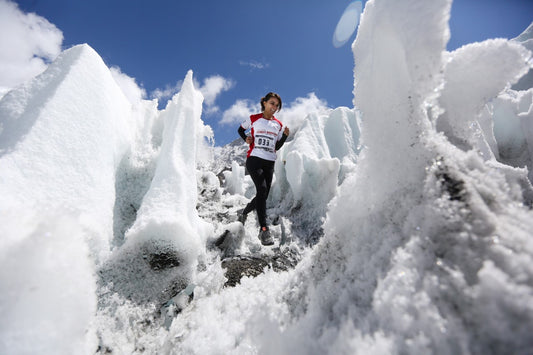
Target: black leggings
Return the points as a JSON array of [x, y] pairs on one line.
[[261, 171]]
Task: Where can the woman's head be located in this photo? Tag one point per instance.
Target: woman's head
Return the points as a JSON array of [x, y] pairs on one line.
[[269, 96]]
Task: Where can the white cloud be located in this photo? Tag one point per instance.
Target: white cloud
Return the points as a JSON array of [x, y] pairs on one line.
[[214, 86], [292, 115], [129, 86], [211, 88], [254, 64], [167, 92], [240, 110], [28, 42]]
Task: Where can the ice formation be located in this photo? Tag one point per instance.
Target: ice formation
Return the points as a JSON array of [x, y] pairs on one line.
[[411, 211]]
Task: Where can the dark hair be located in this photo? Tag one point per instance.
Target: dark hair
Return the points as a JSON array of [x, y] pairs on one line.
[[268, 97]]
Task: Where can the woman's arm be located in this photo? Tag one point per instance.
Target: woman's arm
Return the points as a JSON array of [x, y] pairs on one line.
[[241, 133], [284, 136]]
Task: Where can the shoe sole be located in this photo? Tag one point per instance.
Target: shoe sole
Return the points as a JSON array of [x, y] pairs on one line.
[[267, 242]]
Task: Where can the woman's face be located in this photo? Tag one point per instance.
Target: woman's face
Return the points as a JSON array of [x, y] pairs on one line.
[[271, 106]]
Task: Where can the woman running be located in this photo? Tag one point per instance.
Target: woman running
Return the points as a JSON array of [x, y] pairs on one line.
[[267, 135]]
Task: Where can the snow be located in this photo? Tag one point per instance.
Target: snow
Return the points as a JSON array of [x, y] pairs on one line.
[[472, 67], [410, 213], [235, 179], [48, 157], [166, 221], [48, 288]]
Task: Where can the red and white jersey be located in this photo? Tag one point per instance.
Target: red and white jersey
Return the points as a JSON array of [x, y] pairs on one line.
[[265, 134]]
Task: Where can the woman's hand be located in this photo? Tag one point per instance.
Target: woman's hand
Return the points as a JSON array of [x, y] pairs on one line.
[[286, 131], [249, 140]]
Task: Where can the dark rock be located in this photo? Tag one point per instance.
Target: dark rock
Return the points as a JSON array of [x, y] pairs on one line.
[[252, 266], [163, 260]]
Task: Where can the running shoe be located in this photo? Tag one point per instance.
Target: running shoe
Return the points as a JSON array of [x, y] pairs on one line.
[[265, 237]]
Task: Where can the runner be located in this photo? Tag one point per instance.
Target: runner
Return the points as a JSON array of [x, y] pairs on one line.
[[267, 135]]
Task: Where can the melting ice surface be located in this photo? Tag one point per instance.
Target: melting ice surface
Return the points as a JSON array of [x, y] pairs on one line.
[[411, 212]]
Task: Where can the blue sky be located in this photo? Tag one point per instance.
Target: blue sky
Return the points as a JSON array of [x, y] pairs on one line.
[[251, 46]]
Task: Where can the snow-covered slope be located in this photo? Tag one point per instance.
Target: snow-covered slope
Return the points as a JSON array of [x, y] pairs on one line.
[[79, 166], [419, 267], [410, 213], [62, 137], [64, 130]]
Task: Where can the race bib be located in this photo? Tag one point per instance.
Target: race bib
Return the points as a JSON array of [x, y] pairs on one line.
[[265, 142]]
